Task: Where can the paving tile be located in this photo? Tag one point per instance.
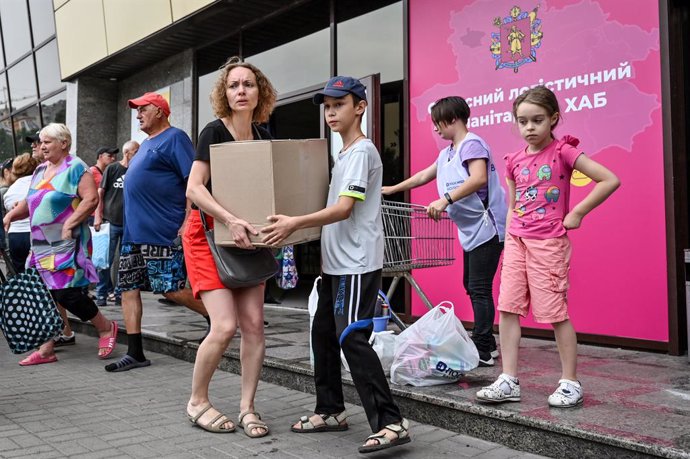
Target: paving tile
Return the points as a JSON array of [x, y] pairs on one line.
[[70, 448], [94, 414], [27, 440], [8, 445], [29, 452]]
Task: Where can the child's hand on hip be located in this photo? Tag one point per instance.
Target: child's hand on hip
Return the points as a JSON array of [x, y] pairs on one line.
[[572, 221]]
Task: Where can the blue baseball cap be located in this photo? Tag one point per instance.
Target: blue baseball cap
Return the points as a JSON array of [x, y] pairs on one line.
[[341, 86]]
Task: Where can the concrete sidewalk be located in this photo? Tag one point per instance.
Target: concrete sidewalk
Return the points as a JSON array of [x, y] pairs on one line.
[[637, 404], [73, 408]]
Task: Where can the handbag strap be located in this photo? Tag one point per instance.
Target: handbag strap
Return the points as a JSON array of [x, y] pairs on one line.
[[203, 220], [9, 267], [257, 132]]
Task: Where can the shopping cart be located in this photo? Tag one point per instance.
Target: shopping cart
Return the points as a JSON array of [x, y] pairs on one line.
[[413, 240]]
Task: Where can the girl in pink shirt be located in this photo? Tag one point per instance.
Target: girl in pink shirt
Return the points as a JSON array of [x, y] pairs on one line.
[[537, 250]]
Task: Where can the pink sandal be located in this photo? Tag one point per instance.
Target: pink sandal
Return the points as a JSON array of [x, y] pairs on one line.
[[108, 342], [36, 359]]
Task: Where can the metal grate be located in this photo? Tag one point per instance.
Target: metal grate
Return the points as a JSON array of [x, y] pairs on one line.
[[413, 240]]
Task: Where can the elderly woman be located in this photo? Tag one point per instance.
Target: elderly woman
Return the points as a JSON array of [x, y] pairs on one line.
[[61, 196], [19, 233], [241, 98]]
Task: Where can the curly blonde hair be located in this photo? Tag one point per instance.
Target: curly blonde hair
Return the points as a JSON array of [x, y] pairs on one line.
[[267, 93], [24, 165]]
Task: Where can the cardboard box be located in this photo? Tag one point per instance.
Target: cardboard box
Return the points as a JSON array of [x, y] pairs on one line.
[[255, 179]]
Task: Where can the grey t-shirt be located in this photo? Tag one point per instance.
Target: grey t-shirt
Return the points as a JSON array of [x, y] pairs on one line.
[[355, 245]]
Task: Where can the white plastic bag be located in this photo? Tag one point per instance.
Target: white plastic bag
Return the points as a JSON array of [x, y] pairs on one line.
[[384, 346], [311, 306], [434, 350], [100, 241]]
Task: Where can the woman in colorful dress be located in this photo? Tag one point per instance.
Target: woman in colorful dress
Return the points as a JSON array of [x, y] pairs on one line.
[[61, 197]]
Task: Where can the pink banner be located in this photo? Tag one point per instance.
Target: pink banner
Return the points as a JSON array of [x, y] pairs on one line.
[[601, 58]]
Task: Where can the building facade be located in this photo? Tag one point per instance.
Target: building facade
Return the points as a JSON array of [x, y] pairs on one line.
[[619, 69], [31, 91]]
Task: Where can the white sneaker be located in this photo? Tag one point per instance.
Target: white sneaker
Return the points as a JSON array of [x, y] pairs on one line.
[[504, 389], [568, 394]]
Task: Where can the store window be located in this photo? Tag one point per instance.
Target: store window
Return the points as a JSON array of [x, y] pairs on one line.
[[205, 113], [48, 66], [4, 99], [2, 56], [42, 22], [30, 65], [22, 83], [15, 29], [301, 63], [6, 144], [25, 122], [54, 108], [372, 43]]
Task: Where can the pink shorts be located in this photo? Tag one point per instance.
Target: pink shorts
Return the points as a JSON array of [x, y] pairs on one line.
[[535, 271]]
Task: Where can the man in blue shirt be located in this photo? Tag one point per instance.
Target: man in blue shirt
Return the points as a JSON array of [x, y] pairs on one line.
[[155, 209]]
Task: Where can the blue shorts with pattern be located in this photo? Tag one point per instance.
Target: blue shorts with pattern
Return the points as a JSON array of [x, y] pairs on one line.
[[159, 267]]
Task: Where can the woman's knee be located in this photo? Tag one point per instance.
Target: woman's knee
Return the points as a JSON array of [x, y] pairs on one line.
[[253, 330], [77, 302], [224, 329]]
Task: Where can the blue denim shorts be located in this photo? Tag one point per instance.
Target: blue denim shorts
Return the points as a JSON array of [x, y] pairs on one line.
[[158, 268]]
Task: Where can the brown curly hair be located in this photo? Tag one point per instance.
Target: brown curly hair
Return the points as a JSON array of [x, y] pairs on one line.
[[24, 165], [267, 93]]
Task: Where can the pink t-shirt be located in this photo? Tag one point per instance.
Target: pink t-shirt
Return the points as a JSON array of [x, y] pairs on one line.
[[97, 175], [542, 188]]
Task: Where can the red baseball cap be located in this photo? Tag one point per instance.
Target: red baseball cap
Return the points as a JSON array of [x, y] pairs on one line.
[[151, 98]]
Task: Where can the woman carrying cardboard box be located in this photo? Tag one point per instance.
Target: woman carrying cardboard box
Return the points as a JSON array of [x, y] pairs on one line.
[[241, 98]]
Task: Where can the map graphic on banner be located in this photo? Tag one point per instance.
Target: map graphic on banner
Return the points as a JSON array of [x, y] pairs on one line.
[[601, 82], [602, 60]]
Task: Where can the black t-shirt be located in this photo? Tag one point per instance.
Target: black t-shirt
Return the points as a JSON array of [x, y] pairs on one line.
[[216, 132], [113, 182]]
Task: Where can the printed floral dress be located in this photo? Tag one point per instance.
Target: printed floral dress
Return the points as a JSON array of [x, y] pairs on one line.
[[61, 263]]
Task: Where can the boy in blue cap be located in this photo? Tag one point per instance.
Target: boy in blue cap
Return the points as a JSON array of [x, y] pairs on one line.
[[352, 260]]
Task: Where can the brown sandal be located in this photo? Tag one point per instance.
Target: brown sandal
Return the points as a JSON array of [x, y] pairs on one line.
[[215, 425], [251, 425], [332, 423], [402, 431]]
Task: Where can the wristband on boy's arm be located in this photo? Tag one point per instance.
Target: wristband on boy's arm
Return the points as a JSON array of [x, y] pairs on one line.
[[447, 196]]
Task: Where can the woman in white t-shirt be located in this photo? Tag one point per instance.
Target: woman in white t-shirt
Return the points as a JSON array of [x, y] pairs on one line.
[[19, 234]]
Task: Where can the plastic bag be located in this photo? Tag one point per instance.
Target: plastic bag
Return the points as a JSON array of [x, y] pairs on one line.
[[434, 350], [311, 306], [100, 241], [384, 346], [287, 273]]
